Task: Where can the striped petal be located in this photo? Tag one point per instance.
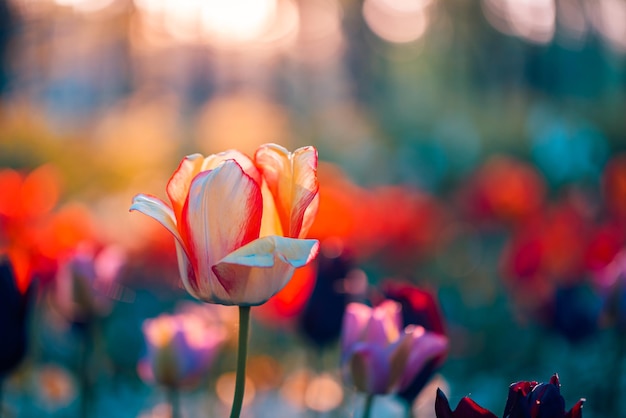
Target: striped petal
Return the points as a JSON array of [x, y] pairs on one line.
[[385, 324], [424, 347], [254, 273], [355, 320], [159, 211], [178, 185], [270, 223], [369, 368], [212, 161], [292, 180], [222, 213]]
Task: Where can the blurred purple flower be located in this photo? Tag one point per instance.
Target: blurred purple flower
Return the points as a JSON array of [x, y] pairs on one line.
[[419, 307], [86, 284], [180, 348], [14, 307], [380, 357]]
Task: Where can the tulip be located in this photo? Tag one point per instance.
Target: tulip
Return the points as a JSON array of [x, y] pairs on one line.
[[238, 224], [180, 349], [466, 408], [380, 356], [538, 400], [525, 400], [239, 227], [86, 284], [419, 307]]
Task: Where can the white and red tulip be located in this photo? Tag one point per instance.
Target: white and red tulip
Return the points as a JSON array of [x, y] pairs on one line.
[[239, 223]]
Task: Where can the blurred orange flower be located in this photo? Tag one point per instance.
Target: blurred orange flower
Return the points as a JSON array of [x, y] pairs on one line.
[[32, 233], [545, 251], [614, 185], [504, 189]]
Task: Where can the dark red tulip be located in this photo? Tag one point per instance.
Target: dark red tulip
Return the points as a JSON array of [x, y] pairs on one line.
[[539, 400], [466, 408]]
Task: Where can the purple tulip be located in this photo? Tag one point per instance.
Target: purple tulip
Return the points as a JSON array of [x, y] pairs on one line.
[[180, 348], [380, 356], [87, 283]]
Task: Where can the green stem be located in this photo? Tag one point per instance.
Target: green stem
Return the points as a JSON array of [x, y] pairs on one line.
[[85, 372], [242, 352], [367, 409], [1, 398], [174, 400]]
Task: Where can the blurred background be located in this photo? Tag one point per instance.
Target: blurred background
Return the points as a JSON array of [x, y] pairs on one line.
[[475, 149]]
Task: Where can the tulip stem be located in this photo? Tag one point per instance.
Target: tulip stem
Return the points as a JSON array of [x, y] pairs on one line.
[[84, 371], [242, 352], [367, 409], [173, 395]]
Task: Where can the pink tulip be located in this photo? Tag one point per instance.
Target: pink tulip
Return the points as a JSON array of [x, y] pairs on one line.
[[239, 224], [380, 356]]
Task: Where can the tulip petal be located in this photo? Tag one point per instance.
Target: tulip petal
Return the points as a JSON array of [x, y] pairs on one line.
[[187, 272], [292, 179], [425, 346], [270, 223], [178, 186], [246, 164], [466, 408], [442, 406], [255, 272], [222, 213], [369, 368], [355, 320], [159, 211], [576, 411], [385, 325]]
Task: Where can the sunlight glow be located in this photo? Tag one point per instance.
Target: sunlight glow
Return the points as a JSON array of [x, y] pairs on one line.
[[533, 20], [223, 24], [323, 393], [320, 36], [397, 21], [609, 19], [225, 389], [241, 20], [85, 6]]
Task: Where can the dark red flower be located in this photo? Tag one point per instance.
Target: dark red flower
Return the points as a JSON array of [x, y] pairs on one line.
[[614, 186], [539, 400], [321, 319], [504, 190], [525, 400], [466, 408]]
